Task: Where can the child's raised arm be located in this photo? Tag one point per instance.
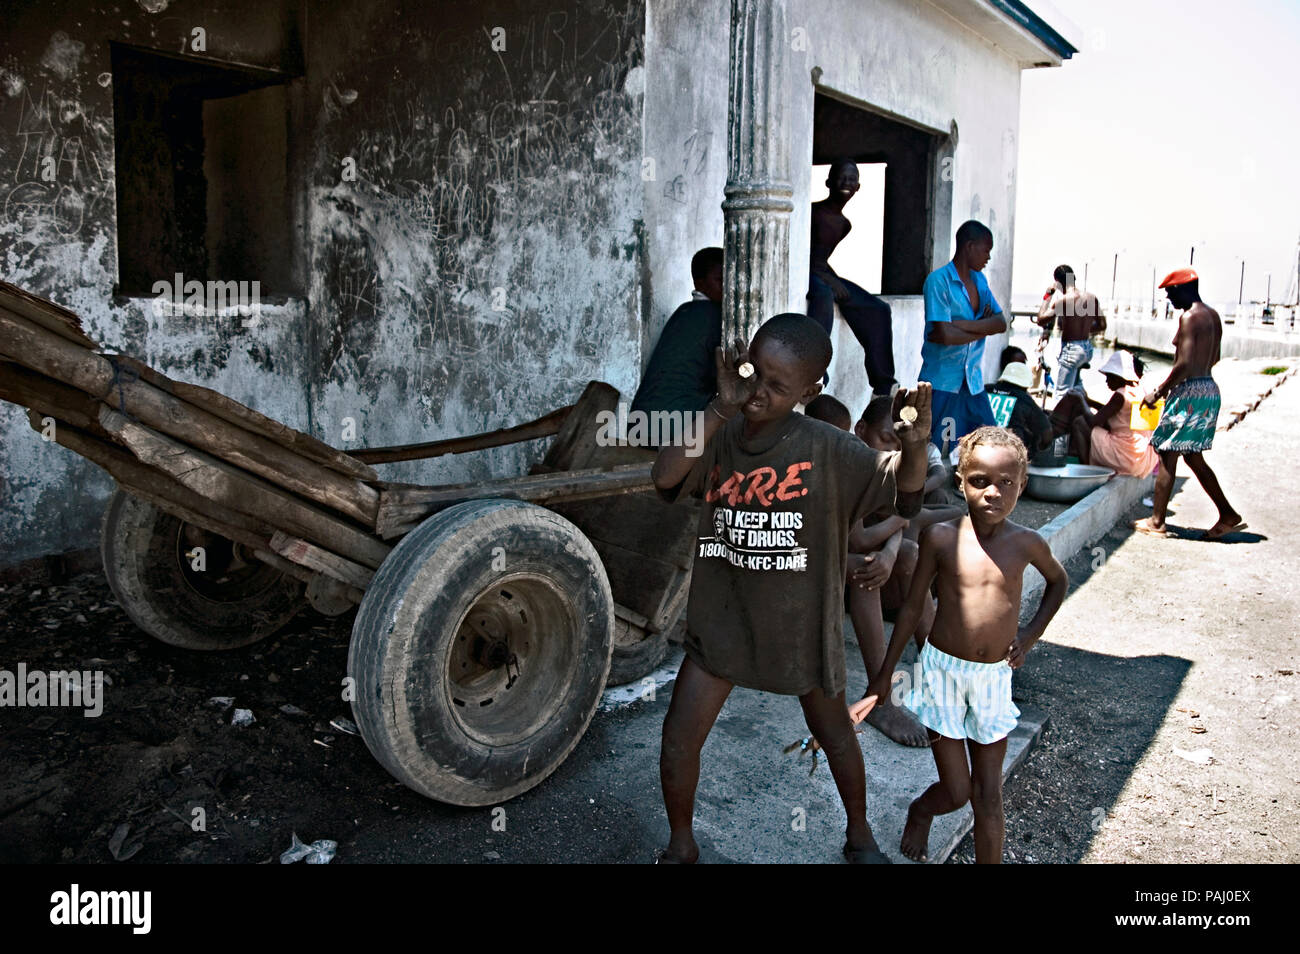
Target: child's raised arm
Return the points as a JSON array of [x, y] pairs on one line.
[[913, 434], [673, 464], [1045, 562], [927, 564]]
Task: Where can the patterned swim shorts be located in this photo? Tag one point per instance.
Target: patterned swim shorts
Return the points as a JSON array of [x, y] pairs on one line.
[[963, 699], [1189, 418]]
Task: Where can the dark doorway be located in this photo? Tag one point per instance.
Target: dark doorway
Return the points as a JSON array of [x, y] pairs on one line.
[[910, 156], [202, 172]]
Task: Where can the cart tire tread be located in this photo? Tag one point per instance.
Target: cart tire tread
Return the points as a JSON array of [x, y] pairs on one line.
[[414, 619], [137, 544]]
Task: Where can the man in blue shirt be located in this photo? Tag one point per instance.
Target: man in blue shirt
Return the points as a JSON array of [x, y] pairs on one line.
[[960, 312]]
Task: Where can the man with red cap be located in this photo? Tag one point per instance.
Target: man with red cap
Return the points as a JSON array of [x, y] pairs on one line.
[[1186, 427]]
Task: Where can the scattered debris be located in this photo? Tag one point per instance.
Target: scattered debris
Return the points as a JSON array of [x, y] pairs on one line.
[[1196, 756], [345, 725], [221, 702], [317, 853], [243, 717], [292, 710], [119, 847]]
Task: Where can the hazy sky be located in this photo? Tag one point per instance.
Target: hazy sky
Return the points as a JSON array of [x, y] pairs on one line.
[[1176, 124]]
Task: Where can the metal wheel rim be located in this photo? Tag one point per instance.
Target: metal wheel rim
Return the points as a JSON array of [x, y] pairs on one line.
[[232, 574], [505, 704]]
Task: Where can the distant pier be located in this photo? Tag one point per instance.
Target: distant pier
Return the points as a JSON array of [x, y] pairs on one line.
[[1250, 331], [1247, 333]]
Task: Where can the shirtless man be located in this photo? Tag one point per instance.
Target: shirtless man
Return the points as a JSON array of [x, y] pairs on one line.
[[867, 315], [1186, 427], [962, 693], [1081, 318]]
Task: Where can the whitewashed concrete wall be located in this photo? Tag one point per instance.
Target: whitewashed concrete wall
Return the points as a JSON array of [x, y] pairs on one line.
[[894, 56]]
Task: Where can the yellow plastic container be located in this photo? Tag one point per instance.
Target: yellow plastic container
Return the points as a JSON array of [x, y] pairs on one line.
[[1146, 418]]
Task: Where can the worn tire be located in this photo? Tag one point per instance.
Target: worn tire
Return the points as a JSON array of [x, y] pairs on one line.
[[475, 583], [636, 653], [234, 603]]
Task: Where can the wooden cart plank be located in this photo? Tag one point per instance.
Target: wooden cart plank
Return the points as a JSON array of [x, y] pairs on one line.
[[642, 583], [231, 410], [245, 492], [640, 521], [52, 398], [647, 547], [58, 358], [541, 427], [45, 313], [402, 506], [312, 556], [145, 481], [575, 445]]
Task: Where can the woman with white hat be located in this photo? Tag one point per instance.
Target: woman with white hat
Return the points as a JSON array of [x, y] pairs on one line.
[[1107, 438]]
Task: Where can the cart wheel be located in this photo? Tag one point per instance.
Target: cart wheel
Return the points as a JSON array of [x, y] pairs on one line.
[[233, 601], [636, 653], [480, 651]]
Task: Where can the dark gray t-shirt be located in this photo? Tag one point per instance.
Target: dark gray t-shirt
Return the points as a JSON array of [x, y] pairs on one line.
[[766, 606]]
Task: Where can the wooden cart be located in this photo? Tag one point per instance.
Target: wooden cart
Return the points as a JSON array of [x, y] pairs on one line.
[[490, 616]]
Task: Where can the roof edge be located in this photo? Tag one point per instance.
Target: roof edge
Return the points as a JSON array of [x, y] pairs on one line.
[[1039, 28]]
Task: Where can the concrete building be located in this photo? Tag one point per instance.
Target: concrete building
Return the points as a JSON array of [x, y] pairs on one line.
[[453, 215]]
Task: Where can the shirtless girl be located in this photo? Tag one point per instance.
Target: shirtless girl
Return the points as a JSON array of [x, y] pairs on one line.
[[1186, 427], [963, 691]]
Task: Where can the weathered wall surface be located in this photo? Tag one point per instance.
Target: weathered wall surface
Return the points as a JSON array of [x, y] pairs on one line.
[[479, 268], [485, 264], [685, 147], [58, 238], [895, 56]]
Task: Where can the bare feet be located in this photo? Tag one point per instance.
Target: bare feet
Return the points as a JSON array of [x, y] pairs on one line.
[[679, 852], [1225, 526], [1145, 525], [899, 725], [916, 833], [866, 852]]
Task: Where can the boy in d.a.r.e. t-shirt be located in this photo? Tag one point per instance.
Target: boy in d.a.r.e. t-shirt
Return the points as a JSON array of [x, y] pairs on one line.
[[781, 491]]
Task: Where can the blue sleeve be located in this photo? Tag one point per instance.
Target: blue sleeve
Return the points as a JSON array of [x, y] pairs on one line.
[[936, 298]]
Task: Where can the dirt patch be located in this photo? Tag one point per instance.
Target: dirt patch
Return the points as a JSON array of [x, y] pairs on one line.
[[160, 749]]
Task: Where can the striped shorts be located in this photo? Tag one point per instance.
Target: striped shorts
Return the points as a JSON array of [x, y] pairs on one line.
[[963, 699]]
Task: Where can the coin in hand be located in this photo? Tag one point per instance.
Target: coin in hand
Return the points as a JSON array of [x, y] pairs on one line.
[[746, 370], [908, 414]]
